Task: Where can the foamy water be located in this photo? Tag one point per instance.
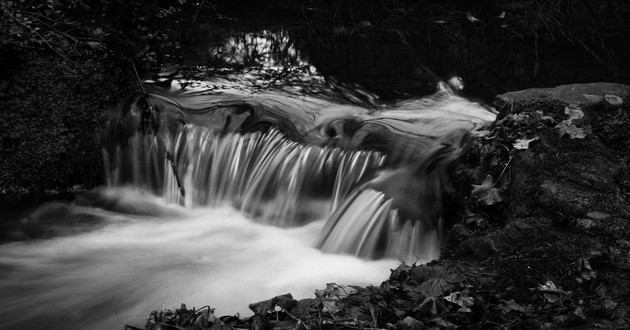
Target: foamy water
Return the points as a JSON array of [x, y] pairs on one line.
[[162, 257]]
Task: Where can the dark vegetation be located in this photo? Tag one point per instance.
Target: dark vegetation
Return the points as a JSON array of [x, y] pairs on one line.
[[64, 64]]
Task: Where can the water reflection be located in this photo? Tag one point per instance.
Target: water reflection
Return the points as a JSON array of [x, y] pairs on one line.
[[261, 59]]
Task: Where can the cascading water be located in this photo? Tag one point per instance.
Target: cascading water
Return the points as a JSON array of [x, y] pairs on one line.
[[265, 175], [258, 194], [365, 170], [375, 174]]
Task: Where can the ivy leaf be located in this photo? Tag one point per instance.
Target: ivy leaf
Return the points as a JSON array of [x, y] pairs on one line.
[[435, 287], [522, 144], [460, 298], [510, 305], [574, 132], [486, 192]]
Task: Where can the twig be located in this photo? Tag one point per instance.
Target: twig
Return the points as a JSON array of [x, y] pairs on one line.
[[40, 36], [144, 93], [505, 168], [293, 317], [197, 13], [180, 187], [50, 26]]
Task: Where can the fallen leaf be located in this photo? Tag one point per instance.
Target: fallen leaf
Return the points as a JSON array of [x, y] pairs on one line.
[[409, 323], [335, 291], [471, 18], [444, 323], [486, 192], [579, 313], [551, 292], [567, 126], [523, 144], [597, 215], [573, 131], [435, 287], [330, 306], [460, 298], [511, 305], [586, 223]]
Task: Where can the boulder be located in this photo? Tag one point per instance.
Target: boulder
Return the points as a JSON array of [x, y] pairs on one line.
[[583, 95], [577, 160]]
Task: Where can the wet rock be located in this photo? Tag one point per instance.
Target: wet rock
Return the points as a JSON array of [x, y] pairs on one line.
[[480, 248], [579, 109], [284, 301]]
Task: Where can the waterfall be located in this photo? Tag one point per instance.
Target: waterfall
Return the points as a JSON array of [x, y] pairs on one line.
[[265, 175], [375, 174]]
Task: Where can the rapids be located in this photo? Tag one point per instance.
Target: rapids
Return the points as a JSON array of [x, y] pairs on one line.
[[152, 255], [286, 158]]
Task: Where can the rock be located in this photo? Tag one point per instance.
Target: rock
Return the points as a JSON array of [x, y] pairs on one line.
[[584, 95], [567, 178], [284, 301], [480, 248]]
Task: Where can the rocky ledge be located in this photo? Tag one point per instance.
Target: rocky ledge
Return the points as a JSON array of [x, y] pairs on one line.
[[541, 239]]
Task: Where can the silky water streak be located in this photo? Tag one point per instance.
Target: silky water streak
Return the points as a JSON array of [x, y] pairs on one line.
[[374, 171]]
